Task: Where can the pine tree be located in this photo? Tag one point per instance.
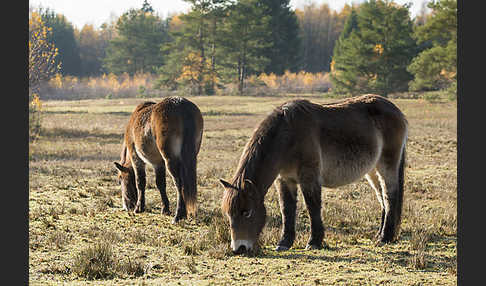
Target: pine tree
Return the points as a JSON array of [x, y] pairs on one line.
[[137, 45], [91, 50], [146, 7], [191, 55], [436, 66], [375, 55], [284, 35], [347, 53], [245, 37]]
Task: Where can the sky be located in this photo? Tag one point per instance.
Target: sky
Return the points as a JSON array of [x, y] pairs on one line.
[[97, 12]]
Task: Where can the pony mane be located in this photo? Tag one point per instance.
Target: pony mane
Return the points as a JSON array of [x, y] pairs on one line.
[[262, 147], [143, 105], [123, 154], [256, 148]]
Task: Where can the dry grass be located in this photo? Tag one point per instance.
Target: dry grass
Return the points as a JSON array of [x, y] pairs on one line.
[[78, 230], [112, 86]]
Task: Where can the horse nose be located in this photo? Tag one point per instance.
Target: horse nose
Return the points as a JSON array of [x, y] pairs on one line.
[[240, 249]]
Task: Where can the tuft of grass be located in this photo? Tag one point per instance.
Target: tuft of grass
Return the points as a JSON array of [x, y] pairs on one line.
[[418, 260], [95, 262], [220, 251], [138, 236], [130, 268], [101, 205], [419, 239], [270, 236], [59, 238], [418, 243], [191, 264], [216, 234], [110, 236], [99, 262]]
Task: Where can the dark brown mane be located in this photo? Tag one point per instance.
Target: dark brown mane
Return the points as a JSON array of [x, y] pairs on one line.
[[269, 139], [230, 201], [123, 154], [259, 147], [143, 105], [145, 115]]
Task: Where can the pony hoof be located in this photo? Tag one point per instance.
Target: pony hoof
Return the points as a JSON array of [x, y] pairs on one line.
[[177, 219], [281, 248], [312, 247], [382, 241], [379, 243], [165, 211]]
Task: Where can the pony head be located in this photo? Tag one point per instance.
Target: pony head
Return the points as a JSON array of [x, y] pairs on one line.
[[243, 206], [126, 179]]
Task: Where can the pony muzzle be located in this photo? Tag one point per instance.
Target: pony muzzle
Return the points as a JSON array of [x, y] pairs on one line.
[[240, 246]]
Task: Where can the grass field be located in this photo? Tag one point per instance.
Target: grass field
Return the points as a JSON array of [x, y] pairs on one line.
[[79, 234]]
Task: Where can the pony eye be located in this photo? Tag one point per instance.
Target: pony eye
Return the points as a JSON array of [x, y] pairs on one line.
[[246, 213]]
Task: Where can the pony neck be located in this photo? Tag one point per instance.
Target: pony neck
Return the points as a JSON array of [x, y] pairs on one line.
[[261, 171], [125, 158]]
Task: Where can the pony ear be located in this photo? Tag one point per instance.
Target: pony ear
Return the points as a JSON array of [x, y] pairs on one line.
[[120, 167], [226, 184]]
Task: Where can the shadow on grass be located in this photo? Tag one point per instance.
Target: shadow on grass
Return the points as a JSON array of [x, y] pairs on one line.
[[78, 134], [121, 113], [75, 156], [127, 113], [400, 258], [224, 113], [65, 112]]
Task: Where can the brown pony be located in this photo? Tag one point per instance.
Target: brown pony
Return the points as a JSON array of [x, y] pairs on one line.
[[166, 135], [314, 146]]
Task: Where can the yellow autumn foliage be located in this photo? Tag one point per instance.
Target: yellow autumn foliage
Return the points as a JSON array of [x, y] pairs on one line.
[[196, 70], [42, 54], [42, 67], [378, 49], [295, 81]]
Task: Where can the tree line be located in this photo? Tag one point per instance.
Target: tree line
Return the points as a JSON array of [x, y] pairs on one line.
[[374, 46]]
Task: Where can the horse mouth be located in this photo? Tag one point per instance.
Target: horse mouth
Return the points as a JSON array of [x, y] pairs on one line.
[[240, 250], [241, 246]]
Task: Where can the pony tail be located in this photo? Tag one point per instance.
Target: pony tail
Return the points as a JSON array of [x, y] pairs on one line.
[[401, 183], [189, 166]]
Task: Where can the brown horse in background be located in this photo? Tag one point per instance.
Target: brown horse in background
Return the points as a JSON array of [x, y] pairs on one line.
[[311, 145], [168, 135]]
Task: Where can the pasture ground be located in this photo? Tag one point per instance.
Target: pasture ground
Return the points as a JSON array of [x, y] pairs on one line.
[[79, 234]]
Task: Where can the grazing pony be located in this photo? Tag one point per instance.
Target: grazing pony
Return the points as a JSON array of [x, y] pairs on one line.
[[314, 146], [166, 135]]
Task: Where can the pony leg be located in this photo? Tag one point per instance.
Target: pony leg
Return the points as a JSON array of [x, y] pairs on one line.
[[160, 181], [311, 190], [374, 181], [392, 187], [288, 205], [175, 169], [140, 181]]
